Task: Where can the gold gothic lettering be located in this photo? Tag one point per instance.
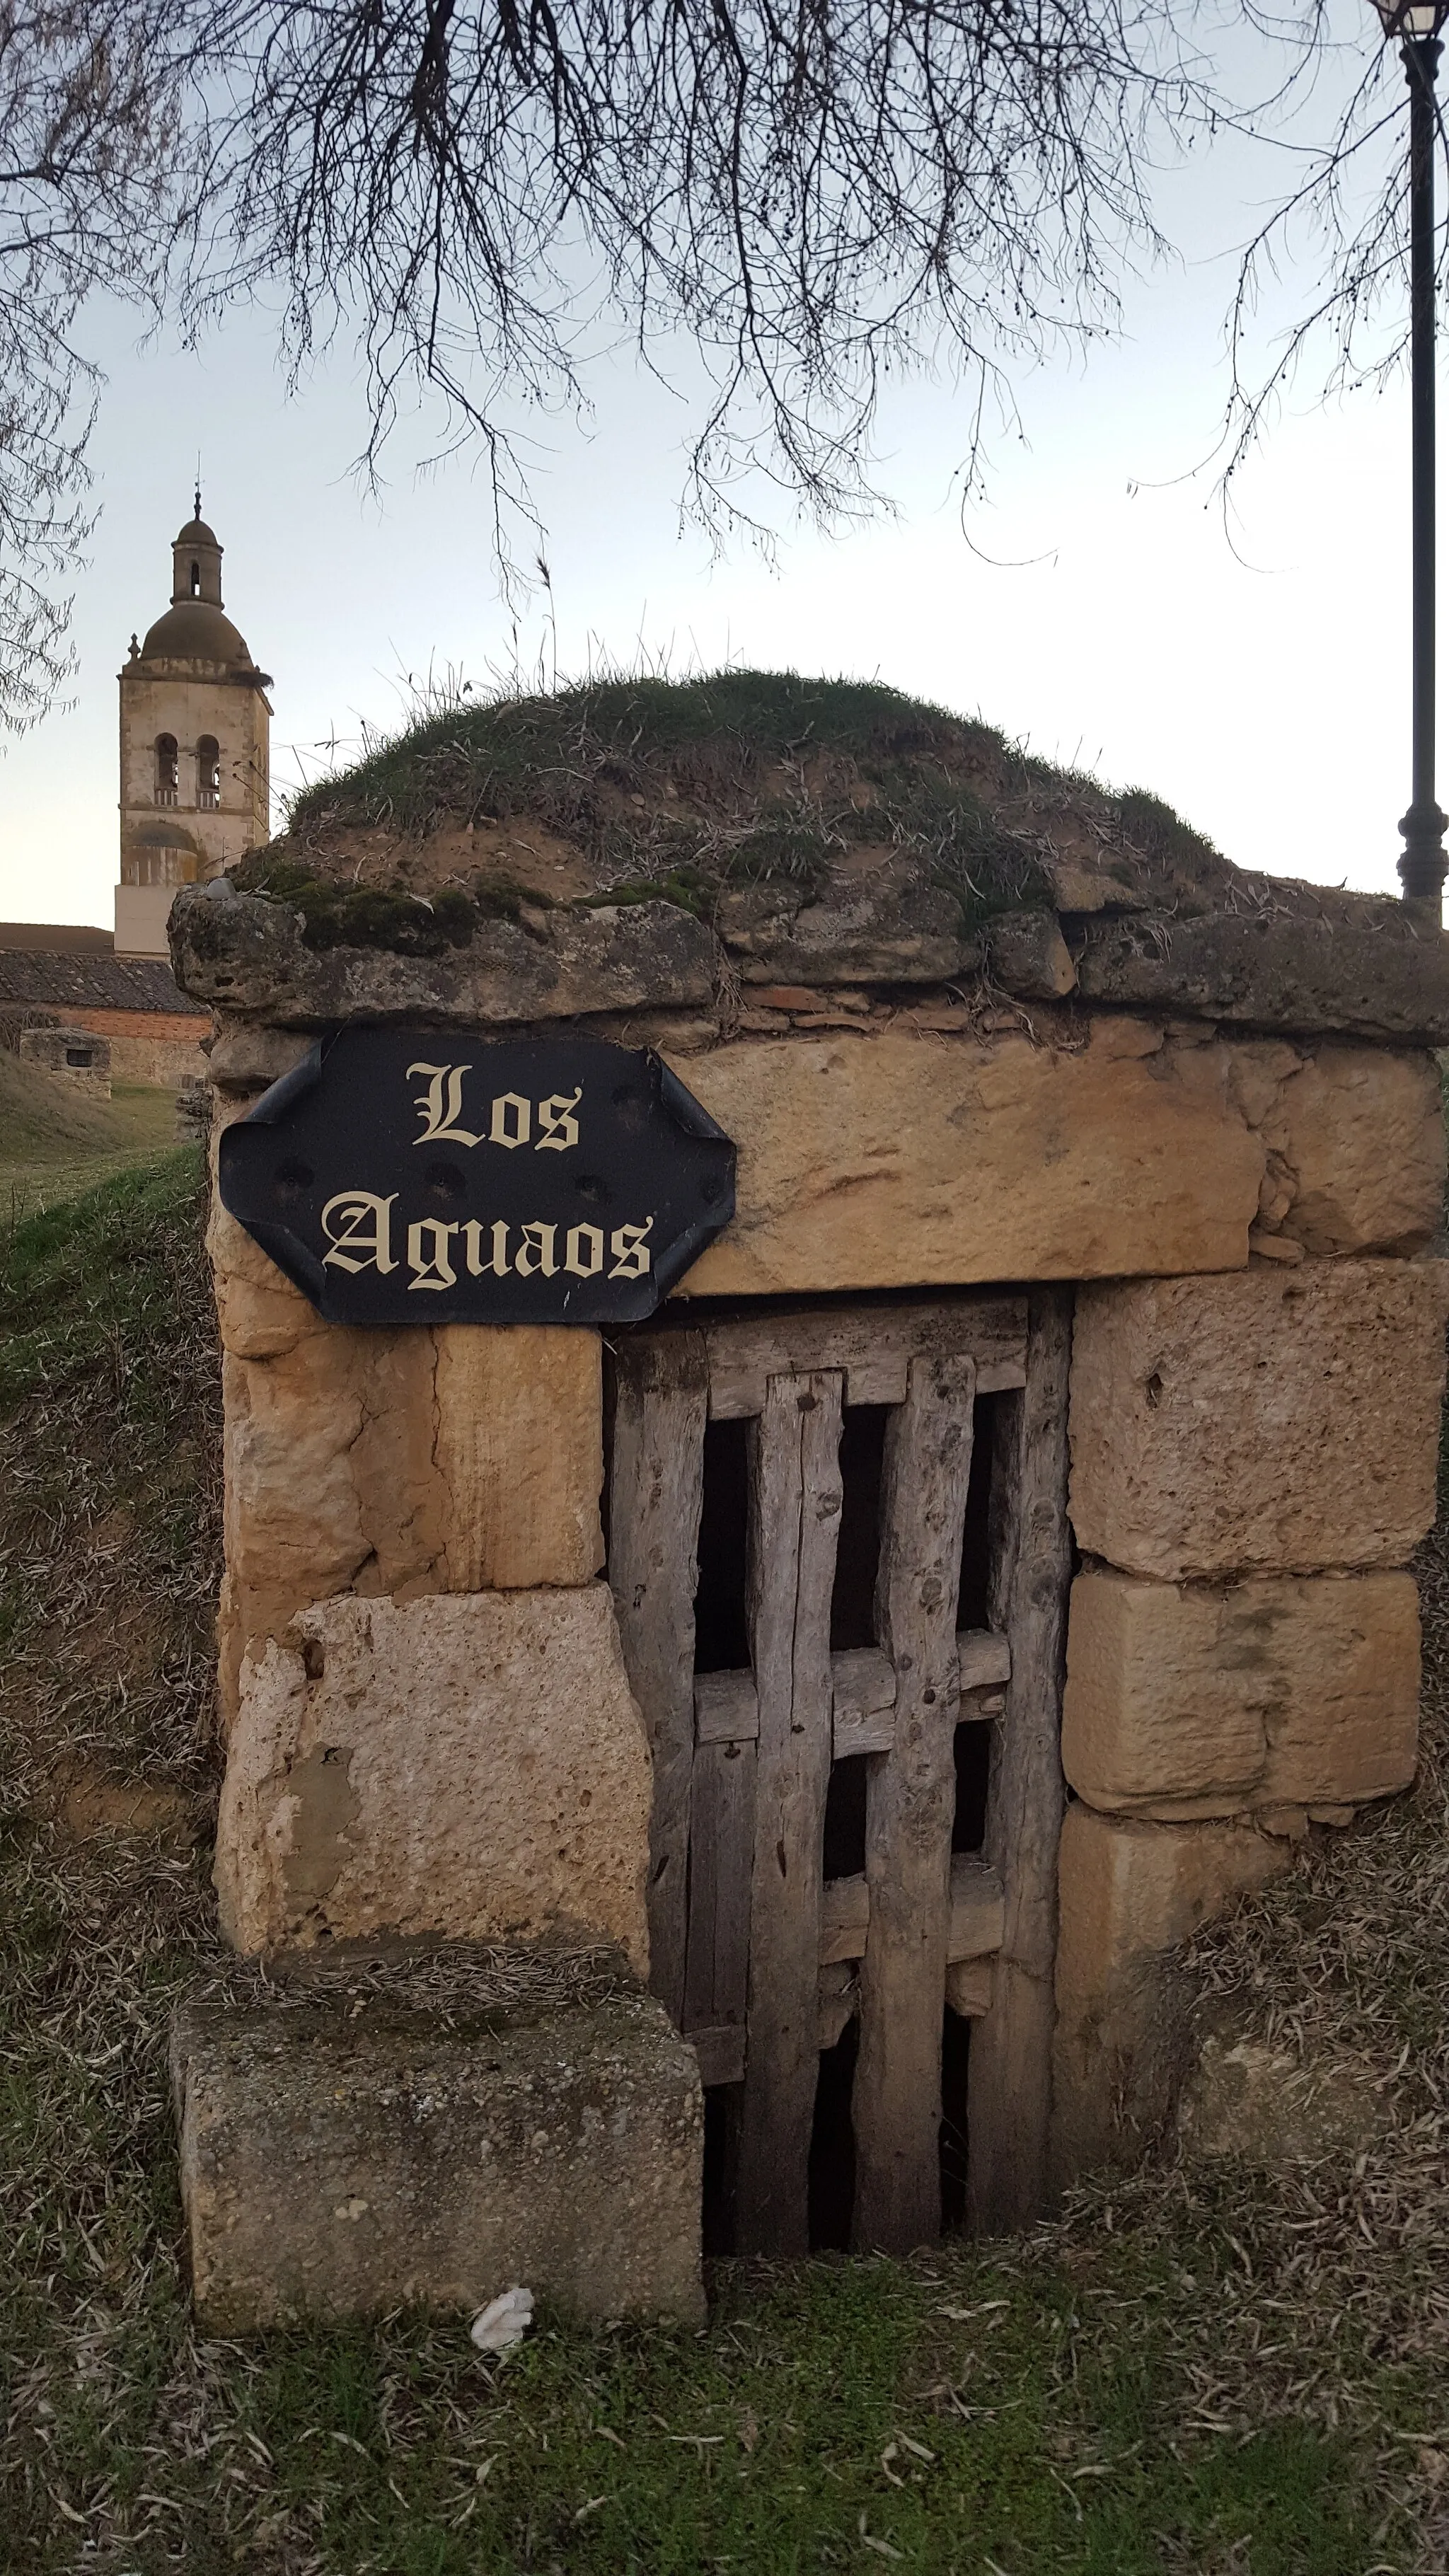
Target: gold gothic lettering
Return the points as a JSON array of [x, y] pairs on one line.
[[630, 1251], [584, 1251], [497, 1260], [358, 1227], [535, 1253], [500, 1133], [440, 1117], [367, 1240], [431, 1268], [558, 1127], [440, 1107]]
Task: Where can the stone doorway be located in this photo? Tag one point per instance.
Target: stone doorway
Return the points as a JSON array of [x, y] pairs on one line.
[[839, 1553]]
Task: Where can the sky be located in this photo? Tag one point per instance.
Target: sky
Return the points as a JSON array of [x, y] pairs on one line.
[[1097, 605]]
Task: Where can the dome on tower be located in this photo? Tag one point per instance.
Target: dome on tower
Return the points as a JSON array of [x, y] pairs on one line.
[[195, 630]]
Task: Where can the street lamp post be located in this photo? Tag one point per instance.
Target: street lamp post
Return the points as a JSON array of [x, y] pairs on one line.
[[1416, 23]]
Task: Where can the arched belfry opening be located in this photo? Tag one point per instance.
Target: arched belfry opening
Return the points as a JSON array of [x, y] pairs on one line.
[[197, 554]]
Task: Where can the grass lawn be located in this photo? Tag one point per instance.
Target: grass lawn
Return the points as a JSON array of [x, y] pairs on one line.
[[56, 1141], [1200, 2369]]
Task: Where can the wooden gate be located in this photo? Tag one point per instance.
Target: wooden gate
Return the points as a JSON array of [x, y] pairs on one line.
[[760, 1958]]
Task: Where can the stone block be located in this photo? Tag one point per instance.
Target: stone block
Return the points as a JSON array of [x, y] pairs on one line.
[[1027, 953], [1198, 1700], [1361, 1133], [248, 956], [431, 2134], [1284, 1419], [1129, 1893], [911, 1160], [389, 1459], [1348, 965], [331, 1482], [470, 1765], [1275, 2107], [520, 1448]]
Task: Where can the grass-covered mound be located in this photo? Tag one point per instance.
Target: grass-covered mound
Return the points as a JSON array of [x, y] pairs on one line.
[[1204, 2372], [624, 791], [53, 1136]]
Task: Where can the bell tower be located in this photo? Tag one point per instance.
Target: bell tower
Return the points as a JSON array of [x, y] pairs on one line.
[[195, 729]]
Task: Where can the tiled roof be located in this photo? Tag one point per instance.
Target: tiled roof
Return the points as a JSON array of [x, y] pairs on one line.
[[70, 982], [72, 936]]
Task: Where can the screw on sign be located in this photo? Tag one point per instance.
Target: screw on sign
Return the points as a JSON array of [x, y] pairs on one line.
[[424, 1176]]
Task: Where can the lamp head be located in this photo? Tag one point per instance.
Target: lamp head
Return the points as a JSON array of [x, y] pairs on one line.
[[1413, 20]]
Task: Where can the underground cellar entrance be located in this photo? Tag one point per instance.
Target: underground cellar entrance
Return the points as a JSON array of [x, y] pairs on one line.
[[819, 1544]]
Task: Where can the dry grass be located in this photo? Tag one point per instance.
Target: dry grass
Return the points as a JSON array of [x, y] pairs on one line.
[[1203, 2369]]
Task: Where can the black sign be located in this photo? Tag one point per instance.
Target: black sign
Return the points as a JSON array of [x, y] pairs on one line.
[[426, 1176]]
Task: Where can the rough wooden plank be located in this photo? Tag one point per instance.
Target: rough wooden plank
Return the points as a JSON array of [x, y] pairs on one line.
[[969, 1984], [721, 2054], [974, 1923], [795, 1500], [863, 1730], [839, 2000], [1010, 2101], [864, 1688], [726, 1708], [844, 1915], [978, 1909], [863, 1680], [873, 1344], [721, 1858], [983, 1659], [909, 1809], [656, 1487]]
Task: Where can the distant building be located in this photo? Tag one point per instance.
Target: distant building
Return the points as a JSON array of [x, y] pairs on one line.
[[195, 748], [55, 976]]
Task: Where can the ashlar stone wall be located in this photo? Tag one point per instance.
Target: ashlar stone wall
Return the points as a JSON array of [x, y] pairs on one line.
[[431, 1730], [430, 1727], [1253, 1460]]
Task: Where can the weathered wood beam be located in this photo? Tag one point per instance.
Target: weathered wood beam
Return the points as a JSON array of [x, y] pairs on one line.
[[864, 1691], [874, 1345], [721, 2053], [1010, 2095], [909, 1811], [983, 1659], [656, 1489], [721, 1859], [974, 1924], [726, 1708], [795, 1499]]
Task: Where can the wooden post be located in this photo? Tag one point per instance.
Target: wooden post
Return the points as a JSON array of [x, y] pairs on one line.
[[1009, 2102], [795, 1498], [909, 1811], [721, 1859], [656, 1492]]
